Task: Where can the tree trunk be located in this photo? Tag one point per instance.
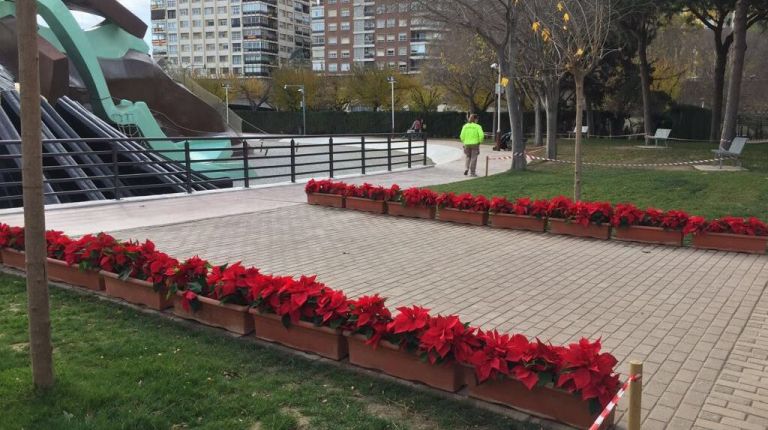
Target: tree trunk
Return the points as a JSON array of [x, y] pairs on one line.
[[538, 137], [645, 80], [737, 73], [516, 127], [551, 105], [721, 62], [38, 308], [578, 77]]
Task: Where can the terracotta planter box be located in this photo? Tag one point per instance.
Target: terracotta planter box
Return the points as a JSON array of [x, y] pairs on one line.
[[136, 291], [546, 402], [518, 222], [303, 336], [423, 212], [14, 258], [559, 226], [89, 279], [391, 360], [657, 235], [57, 271], [234, 318], [330, 200], [366, 205], [729, 242], [462, 217]]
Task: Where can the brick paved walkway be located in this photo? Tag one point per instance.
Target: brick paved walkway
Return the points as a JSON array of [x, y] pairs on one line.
[[681, 311]]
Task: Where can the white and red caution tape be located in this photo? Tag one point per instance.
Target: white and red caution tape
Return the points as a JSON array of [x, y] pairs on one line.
[[612, 404], [675, 163]]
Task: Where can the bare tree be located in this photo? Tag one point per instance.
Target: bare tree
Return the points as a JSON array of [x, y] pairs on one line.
[[461, 68], [737, 72], [715, 15], [495, 22], [38, 306], [578, 30]]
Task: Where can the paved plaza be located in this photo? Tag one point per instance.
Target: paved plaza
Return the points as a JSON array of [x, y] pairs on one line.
[[697, 319]]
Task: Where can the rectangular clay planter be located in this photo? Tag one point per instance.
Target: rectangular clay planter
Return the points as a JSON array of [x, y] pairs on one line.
[[366, 205], [423, 212], [330, 200], [59, 271], [303, 336], [391, 360], [657, 235], [545, 402], [560, 226], [136, 291], [731, 242], [518, 222], [234, 318], [462, 217], [14, 258]]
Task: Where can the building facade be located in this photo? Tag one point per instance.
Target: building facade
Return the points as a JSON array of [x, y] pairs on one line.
[[230, 37], [372, 33]]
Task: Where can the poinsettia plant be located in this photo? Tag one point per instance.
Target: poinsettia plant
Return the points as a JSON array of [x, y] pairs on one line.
[[522, 207], [372, 192], [466, 202], [587, 371], [560, 207], [369, 316], [56, 244], [91, 252], [325, 186], [586, 213], [11, 237], [730, 225], [447, 339], [418, 197], [627, 214]]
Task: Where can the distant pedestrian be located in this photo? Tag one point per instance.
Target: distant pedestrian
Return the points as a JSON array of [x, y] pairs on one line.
[[472, 136], [416, 126]]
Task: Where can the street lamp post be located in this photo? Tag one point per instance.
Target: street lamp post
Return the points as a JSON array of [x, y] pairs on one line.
[[392, 83], [497, 132], [226, 100], [303, 106]]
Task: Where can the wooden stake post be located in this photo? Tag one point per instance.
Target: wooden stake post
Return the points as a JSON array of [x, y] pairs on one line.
[[635, 395]]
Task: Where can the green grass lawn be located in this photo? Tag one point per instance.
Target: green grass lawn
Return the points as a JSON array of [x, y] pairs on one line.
[[117, 368], [702, 193]]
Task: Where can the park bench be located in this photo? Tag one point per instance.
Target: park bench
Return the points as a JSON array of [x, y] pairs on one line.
[[662, 134], [733, 152], [584, 131]]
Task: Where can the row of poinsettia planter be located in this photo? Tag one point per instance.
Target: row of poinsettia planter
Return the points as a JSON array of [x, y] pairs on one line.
[[569, 384], [560, 214]]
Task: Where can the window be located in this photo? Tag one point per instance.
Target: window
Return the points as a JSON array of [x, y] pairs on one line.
[[235, 22], [403, 37], [390, 38], [196, 11], [345, 12], [223, 58], [222, 10], [333, 54], [332, 13], [390, 52], [403, 23], [333, 67], [210, 59], [332, 26], [344, 67], [208, 11], [333, 40], [345, 26], [171, 14], [402, 50], [223, 22], [345, 40]]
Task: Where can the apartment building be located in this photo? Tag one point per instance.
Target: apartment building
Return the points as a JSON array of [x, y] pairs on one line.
[[373, 33], [230, 37]]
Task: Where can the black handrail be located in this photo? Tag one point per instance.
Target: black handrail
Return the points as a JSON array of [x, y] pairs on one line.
[[134, 171]]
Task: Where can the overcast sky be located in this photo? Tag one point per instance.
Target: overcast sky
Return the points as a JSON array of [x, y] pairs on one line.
[[140, 8]]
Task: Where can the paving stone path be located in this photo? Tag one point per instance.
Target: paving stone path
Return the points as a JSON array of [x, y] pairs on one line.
[[693, 317]]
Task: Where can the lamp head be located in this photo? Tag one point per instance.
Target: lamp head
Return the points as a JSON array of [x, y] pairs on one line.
[[494, 66], [285, 87]]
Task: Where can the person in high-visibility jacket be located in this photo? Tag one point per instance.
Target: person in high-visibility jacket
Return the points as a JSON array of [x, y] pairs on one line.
[[472, 136]]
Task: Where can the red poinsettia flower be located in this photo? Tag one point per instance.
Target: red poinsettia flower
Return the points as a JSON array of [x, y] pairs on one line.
[[626, 215], [586, 213], [369, 316], [588, 371], [674, 220], [415, 197], [559, 207], [325, 186], [56, 242], [332, 308], [694, 225], [409, 320], [11, 237], [189, 301], [446, 338]]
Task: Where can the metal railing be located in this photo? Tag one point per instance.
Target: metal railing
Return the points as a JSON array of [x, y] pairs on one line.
[[115, 170]]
